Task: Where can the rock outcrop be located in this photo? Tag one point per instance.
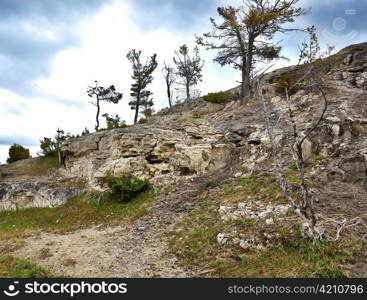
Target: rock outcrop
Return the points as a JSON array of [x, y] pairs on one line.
[[34, 194], [163, 155]]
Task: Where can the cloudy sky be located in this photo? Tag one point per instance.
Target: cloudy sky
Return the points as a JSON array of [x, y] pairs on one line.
[[52, 50]]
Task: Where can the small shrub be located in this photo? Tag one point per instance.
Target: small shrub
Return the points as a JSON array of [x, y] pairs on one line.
[[114, 122], [220, 98], [210, 183], [286, 82], [197, 115], [126, 187], [143, 121]]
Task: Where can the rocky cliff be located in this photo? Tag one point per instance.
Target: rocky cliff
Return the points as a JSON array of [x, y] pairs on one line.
[[196, 137]]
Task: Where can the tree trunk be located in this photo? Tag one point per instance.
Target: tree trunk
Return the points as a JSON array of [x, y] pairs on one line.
[[97, 116], [137, 109], [169, 94], [246, 72], [187, 91]]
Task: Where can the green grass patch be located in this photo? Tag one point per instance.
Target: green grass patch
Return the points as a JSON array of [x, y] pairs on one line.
[[76, 213], [41, 165], [209, 183], [260, 187], [12, 267]]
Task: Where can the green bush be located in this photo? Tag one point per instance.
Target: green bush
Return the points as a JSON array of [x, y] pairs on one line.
[[125, 188], [17, 152], [143, 121], [219, 98], [286, 82]]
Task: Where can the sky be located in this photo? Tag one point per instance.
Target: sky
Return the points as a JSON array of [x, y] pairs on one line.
[[52, 50]]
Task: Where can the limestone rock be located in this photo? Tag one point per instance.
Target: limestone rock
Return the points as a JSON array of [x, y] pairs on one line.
[[34, 194]]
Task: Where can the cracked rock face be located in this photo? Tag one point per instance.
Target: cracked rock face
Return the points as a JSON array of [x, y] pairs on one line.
[[163, 155], [33, 194]]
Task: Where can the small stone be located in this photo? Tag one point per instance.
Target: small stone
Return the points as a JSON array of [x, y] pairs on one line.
[[269, 221], [221, 239]]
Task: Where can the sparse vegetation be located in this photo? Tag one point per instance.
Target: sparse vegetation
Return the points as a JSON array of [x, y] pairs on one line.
[[194, 240], [41, 165], [45, 253]]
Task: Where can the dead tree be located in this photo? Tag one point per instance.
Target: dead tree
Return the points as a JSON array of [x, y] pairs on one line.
[[305, 209], [170, 79]]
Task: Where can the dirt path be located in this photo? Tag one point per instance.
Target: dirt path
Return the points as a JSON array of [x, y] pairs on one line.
[[135, 250], [103, 252]]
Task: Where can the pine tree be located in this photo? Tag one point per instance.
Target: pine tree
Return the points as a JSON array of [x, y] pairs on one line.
[[188, 68], [142, 76], [310, 51], [103, 94], [245, 35]]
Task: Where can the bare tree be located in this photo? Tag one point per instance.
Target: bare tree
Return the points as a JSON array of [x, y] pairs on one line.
[[245, 35], [103, 94], [170, 79], [188, 68], [304, 209]]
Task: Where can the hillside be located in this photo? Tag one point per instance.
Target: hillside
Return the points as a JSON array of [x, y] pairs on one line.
[[216, 209]]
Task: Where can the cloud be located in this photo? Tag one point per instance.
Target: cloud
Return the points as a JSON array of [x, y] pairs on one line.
[[179, 15], [14, 111], [32, 32], [17, 139]]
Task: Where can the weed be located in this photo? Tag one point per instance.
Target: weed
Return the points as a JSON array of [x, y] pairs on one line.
[[45, 253], [11, 267], [209, 183]]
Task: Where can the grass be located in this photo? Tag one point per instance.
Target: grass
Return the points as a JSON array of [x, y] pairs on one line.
[[76, 213], [258, 187], [41, 165], [209, 183], [292, 257], [194, 240], [12, 267]]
